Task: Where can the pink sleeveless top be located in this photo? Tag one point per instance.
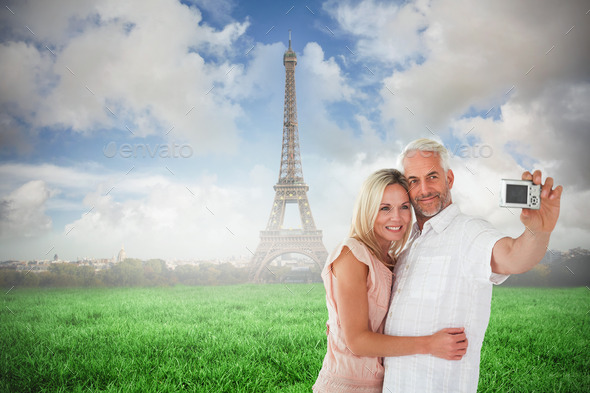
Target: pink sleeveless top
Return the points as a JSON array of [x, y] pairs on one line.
[[342, 371]]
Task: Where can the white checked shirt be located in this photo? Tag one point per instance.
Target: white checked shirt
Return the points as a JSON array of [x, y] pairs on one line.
[[443, 279]]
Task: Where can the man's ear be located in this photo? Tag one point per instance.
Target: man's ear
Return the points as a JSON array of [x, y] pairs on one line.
[[450, 178]]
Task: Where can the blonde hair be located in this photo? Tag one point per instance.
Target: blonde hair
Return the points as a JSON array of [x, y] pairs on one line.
[[367, 207], [426, 147]]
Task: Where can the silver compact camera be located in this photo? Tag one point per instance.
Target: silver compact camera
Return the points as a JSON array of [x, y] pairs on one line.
[[520, 193]]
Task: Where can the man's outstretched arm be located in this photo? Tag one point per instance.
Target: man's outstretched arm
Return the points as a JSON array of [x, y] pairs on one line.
[[513, 256]]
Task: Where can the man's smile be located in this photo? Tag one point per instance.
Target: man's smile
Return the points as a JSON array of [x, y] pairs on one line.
[[428, 198]]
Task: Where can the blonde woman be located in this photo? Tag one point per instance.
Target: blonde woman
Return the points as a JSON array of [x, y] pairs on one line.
[[358, 279]]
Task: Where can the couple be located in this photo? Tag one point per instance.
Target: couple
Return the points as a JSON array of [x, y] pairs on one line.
[[414, 320]]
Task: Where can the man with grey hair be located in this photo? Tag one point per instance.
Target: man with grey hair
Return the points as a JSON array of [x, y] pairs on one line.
[[444, 276]]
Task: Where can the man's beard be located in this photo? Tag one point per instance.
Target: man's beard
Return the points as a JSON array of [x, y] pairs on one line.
[[443, 201]]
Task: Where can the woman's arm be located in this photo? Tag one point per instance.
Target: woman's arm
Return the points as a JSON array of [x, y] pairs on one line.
[[353, 310]]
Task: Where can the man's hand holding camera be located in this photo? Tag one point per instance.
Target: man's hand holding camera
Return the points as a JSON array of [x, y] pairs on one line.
[[514, 256], [545, 218]]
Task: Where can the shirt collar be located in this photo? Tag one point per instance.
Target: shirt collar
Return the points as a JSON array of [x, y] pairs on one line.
[[439, 222]]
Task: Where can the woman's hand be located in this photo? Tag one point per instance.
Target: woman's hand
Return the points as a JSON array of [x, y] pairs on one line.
[[450, 343]]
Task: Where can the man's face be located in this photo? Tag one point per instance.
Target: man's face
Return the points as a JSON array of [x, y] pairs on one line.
[[430, 186]]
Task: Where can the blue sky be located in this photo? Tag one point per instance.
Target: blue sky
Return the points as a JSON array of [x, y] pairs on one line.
[[157, 125]]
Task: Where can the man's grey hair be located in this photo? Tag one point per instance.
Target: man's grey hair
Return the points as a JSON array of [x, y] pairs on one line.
[[425, 147]]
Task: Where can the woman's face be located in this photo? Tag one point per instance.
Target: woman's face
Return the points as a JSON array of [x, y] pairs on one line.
[[394, 216]]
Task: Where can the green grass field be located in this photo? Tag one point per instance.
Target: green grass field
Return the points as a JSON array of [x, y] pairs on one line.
[[253, 338]]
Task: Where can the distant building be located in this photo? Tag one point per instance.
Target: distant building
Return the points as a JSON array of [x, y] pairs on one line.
[[122, 255]]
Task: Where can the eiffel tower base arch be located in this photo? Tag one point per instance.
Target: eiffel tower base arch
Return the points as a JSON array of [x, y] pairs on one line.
[[276, 243]]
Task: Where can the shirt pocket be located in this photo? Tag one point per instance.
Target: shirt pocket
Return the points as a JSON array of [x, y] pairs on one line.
[[428, 277]]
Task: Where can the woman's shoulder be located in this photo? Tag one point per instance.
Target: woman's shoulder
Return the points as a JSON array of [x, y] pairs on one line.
[[358, 249]]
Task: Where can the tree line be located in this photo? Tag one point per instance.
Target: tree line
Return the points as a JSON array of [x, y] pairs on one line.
[[154, 272], [571, 272], [128, 273]]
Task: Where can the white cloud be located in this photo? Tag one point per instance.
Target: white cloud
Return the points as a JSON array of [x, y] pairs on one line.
[[171, 220], [261, 78], [126, 66], [152, 215], [28, 19], [385, 32], [321, 83], [22, 212], [25, 72], [326, 77], [465, 60], [58, 177]]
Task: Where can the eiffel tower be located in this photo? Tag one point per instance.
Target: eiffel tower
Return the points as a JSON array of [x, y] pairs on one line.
[[291, 188]]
